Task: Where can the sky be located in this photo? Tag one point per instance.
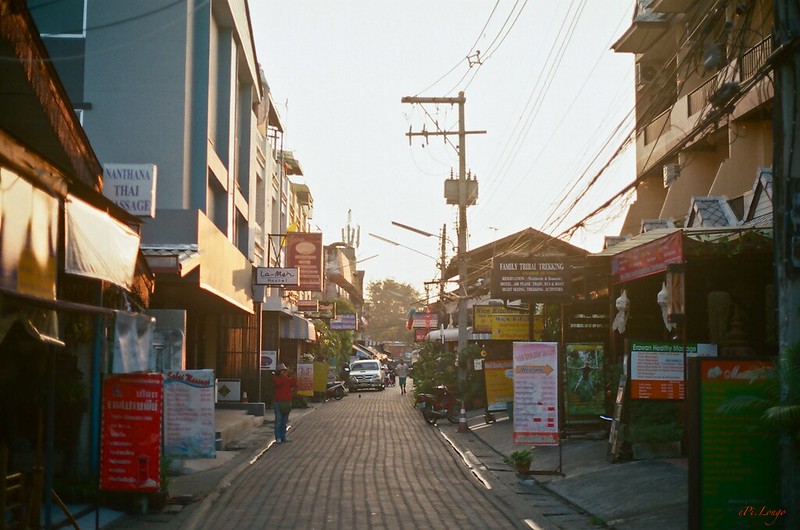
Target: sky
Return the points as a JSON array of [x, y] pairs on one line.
[[539, 76]]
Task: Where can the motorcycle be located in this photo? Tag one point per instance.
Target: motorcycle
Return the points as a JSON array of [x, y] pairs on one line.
[[441, 403], [335, 390]]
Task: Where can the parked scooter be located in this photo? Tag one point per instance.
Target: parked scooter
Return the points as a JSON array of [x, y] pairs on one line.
[[335, 390], [441, 403]]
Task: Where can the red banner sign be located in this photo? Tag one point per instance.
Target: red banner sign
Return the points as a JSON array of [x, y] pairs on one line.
[[304, 252], [649, 258], [131, 432]]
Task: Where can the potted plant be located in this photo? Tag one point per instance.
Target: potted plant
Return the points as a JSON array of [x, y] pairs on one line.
[[521, 460]]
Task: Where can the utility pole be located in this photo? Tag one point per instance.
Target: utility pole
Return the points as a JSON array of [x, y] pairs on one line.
[[462, 198], [786, 221], [442, 269]]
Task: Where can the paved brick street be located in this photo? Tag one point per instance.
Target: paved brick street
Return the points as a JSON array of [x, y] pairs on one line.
[[362, 463]]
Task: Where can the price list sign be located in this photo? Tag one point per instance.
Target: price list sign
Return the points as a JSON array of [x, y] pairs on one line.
[[535, 393], [131, 432]]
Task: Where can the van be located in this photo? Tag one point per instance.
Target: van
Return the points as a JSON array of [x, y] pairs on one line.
[[367, 374]]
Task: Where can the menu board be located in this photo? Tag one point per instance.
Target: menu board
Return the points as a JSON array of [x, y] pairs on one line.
[[739, 458], [499, 384], [657, 369], [189, 423], [131, 432], [535, 393]]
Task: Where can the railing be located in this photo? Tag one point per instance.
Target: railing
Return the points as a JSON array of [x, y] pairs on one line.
[[657, 127], [754, 58], [698, 98]]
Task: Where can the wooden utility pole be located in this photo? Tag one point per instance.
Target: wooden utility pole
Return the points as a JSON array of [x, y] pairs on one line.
[[462, 199], [786, 221]]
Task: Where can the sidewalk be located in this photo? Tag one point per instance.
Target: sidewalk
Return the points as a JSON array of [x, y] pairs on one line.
[[625, 495]]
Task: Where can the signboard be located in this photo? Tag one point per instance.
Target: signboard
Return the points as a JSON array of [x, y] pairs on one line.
[[499, 378], [189, 426], [483, 316], [277, 276], [304, 252], [584, 379], [131, 432], [132, 187], [28, 237], [308, 305], [739, 459], [542, 279], [305, 379], [425, 320], [535, 393], [320, 377], [657, 368], [269, 360], [229, 389], [344, 322], [420, 335], [648, 258], [515, 326], [327, 309]]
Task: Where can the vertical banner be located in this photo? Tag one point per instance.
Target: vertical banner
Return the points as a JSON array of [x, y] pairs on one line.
[[305, 379], [739, 458], [535, 393], [304, 252], [131, 432], [499, 377], [584, 378], [189, 426]]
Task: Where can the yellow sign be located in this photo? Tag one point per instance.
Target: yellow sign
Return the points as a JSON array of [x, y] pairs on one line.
[[483, 316], [499, 383], [512, 326]]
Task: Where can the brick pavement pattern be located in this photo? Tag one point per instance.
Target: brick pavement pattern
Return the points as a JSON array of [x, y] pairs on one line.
[[368, 461]]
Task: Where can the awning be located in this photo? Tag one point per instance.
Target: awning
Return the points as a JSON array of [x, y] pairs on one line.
[[179, 259], [97, 245], [298, 328]]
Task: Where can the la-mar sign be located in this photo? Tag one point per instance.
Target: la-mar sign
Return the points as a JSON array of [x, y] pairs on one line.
[[277, 276]]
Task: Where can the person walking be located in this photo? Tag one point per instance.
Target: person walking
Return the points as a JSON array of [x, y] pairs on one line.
[[401, 370], [284, 382]]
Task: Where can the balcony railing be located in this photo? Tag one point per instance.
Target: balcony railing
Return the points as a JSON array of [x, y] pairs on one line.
[[754, 58], [657, 127], [697, 99]]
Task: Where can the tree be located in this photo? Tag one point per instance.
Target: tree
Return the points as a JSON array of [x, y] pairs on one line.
[[335, 346], [389, 305]]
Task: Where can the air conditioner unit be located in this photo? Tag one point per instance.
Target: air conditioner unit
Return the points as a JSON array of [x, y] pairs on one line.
[[671, 173], [645, 74]]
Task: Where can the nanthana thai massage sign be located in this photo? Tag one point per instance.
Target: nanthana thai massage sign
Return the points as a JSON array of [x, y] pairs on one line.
[[131, 432], [499, 376], [535, 393], [739, 456], [189, 426], [542, 280]]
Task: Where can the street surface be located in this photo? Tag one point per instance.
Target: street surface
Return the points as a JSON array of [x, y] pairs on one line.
[[368, 461]]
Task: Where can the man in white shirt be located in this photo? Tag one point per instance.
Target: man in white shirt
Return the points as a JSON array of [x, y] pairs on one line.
[[401, 369]]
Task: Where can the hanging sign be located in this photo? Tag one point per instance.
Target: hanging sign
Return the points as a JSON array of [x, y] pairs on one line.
[[277, 276], [304, 252], [542, 279]]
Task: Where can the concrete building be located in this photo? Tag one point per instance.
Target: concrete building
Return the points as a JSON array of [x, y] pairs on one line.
[[177, 87]]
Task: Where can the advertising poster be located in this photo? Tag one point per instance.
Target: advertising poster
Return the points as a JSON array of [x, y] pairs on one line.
[[739, 458], [305, 379], [499, 377], [320, 376], [535, 393], [584, 379], [189, 426], [131, 432]]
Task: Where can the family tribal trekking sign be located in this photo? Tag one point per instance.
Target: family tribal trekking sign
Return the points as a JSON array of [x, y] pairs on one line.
[[542, 279]]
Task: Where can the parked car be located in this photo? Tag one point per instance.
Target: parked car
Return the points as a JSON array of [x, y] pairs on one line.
[[367, 374]]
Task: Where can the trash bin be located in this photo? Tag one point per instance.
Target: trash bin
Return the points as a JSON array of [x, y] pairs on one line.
[[510, 409]]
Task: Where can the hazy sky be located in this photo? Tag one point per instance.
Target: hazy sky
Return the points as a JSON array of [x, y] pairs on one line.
[[548, 91]]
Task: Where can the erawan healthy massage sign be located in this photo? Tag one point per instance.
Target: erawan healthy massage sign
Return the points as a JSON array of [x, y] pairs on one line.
[[132, 187]]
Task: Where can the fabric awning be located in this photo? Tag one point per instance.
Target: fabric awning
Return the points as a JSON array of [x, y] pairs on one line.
[[98, 246], [298, 328]]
